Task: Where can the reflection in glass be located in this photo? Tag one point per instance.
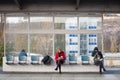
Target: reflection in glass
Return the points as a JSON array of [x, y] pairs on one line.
[[16, 24], [41, 23], [90, 23], [65, 23], [72, 48], [88, 42], [59, 41], [1, 36], [1, 28], [41, 44], [15, 43], [111, 33], [83, 44]]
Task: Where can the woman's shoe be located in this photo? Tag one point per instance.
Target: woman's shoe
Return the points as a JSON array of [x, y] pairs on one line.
[[56, 69], [104, 69]]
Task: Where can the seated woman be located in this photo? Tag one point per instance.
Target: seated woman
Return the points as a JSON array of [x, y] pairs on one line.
[[59, 58]]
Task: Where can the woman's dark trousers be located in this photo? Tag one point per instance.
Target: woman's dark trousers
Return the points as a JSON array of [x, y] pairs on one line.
[[59, 63]]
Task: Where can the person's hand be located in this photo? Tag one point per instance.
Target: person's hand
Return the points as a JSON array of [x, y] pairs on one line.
[[100, 59], [61, 57]]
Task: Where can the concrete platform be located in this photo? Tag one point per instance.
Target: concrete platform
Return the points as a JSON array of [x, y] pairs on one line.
[[50, 68], [41, 68]]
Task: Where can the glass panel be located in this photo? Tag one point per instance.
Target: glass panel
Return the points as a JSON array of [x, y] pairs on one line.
[[59, 42], [72, 47], [72, 43], [41, 44], [88, 42], [1, 37], [69, 44], [15, 43], [17, 24], [90, 23], [67, 23], [41, 23], [83, 44], [111, 27]]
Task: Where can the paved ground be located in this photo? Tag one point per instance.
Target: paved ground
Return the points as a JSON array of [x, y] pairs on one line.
[[111, 74]]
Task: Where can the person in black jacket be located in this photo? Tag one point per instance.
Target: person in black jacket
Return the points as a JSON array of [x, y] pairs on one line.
[[98, 59]]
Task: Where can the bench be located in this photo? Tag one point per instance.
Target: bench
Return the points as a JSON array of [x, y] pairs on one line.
[[85, 59]]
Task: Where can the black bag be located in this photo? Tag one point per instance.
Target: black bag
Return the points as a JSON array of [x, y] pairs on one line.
[[47, 60], [93, 53], [96, 62], [97, 59]]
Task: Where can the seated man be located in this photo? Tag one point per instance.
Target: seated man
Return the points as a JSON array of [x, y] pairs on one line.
[[98, 59], [59, 58], [22, 56]]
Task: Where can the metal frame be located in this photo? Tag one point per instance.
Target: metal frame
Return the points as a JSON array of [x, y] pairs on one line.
[[102, 35], [53, 37], [4, 35], [28, 34]]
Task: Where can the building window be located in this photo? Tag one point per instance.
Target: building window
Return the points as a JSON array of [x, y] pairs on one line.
[[72, 45], [88, 42]]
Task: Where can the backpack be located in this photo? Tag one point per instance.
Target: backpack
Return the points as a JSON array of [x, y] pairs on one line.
[[47, 60], [97, 59]]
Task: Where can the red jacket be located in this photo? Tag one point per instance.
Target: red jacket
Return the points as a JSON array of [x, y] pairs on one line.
[[61, 54]]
